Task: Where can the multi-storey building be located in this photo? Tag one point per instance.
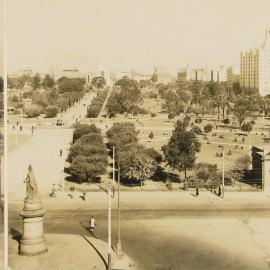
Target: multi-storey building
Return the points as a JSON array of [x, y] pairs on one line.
[[161, 75], [233, 78], [206, 74], [255, 68]]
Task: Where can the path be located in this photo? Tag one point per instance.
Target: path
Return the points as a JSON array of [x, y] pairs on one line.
[[42, 151], [103, 108]]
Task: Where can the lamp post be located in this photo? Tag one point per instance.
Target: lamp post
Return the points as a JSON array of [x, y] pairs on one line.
[[109, 225], [113, 170], [263, 121], [223, 173], [118, 244]]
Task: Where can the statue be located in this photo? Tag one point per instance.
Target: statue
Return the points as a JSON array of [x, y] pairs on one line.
[[32, 241], [31, 185]]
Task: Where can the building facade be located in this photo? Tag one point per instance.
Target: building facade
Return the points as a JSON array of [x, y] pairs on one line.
[[218, 74], [233, 78], [261, 166], [161, 75], [255, 68]]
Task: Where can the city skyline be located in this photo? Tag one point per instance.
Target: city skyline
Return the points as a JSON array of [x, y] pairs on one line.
[[132, 35]]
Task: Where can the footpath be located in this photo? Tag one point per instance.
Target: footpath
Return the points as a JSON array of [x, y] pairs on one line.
[[155, 200], [68, 252]]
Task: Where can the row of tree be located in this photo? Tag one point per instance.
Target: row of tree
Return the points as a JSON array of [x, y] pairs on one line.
[[201, 98], [88, 154], [125, 98], [94, 108], [50, 102]]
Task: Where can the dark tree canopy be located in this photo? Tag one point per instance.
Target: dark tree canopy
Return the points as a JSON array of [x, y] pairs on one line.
[[88, 155], [99, 82], [180, 152], [70, 84]]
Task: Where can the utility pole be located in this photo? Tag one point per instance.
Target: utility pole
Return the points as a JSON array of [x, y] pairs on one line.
[[113, 170], [118, 244], [223, 173], [109, 225], [263, 121]]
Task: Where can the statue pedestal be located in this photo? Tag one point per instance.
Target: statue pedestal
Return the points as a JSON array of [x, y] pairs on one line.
[[32, 241]]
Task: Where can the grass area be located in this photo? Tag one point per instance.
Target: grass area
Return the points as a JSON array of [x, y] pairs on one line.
[[234, 144]]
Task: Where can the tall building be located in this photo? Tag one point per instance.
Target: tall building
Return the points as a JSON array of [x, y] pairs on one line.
[[255, 68], [206, 74], [233, 78], [161, 75]]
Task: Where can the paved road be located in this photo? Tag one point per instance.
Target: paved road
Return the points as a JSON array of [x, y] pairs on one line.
[[177, 239], [42, 151]]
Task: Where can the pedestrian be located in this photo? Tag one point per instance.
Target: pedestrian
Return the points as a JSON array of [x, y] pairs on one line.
[[61, 152], [20, 127], [92, 224], [219, 191], [197, 191], [13, 127], [84, 195], [32, 129]]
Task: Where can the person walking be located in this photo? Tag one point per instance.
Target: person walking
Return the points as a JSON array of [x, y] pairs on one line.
[[92, 224], [61, 152]]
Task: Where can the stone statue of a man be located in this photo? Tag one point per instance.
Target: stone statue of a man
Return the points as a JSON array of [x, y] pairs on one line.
[[31, 185]]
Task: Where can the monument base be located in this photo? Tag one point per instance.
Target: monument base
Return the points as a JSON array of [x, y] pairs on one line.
[[32, 241]]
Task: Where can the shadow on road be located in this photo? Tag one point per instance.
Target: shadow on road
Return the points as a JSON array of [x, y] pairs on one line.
[[16, 235], [97, 251]]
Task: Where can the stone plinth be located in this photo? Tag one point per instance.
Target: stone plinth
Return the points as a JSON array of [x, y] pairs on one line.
[[32, 241]]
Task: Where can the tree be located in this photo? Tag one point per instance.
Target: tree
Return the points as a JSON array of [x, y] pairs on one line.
[[40, 97], [70, 84], [242, 163], [88, 154], [218, 97], [48, 82], [180, 152], [247, 127], [36, 82], [208, 128], [51, 111], [242, 108], [122, 136], [99, 82], [88, 167], [154, 154], [140, 166], [176, 102], [83, 129], [1, 84], [33, 111]]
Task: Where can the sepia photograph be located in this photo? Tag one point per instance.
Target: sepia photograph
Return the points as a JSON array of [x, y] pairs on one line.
[[2, 134], [138, 134]]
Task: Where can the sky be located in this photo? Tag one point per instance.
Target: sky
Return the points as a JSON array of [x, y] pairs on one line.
[[1, 39], [132, 34]]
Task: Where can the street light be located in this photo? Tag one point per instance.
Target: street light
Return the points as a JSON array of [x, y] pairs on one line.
[[113, 169], [118, 244], [223, 174], [109, 225]]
